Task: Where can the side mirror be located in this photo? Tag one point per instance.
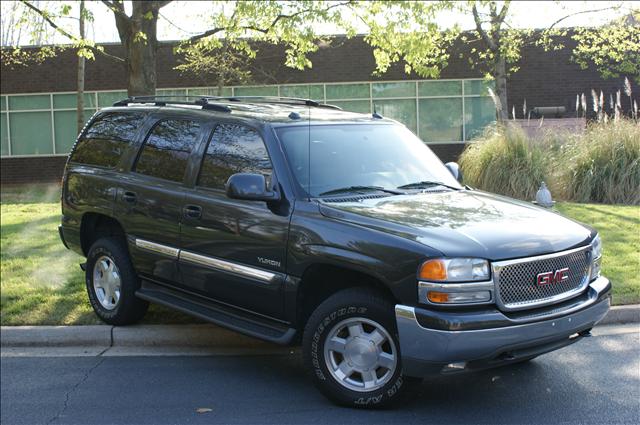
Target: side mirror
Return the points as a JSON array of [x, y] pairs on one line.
[[250, 187], [454, 169]]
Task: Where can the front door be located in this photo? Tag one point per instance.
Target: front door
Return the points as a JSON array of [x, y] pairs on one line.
[[234, 251], [150, 198]]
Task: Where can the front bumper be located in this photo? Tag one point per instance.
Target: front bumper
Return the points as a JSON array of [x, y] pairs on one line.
[[453, 342]]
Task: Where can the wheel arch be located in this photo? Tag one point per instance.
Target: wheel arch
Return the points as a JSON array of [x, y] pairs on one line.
[[95, 226]]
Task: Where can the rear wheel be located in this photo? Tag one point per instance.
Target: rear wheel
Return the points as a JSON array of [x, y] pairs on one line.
[[351, 345], [112, 282]]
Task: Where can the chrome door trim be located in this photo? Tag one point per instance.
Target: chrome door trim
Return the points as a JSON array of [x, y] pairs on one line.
[[227, 266], [157, 248]]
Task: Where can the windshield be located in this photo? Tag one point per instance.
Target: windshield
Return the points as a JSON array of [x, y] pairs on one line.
[[387, 156]]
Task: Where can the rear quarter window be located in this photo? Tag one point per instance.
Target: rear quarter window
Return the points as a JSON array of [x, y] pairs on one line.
[[106, 139]]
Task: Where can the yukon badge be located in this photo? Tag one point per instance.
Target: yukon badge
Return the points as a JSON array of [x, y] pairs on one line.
[[268, 262], [549, 278]]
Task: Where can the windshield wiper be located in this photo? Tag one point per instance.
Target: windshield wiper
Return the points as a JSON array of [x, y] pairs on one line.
[[424, 184], [359, 189]]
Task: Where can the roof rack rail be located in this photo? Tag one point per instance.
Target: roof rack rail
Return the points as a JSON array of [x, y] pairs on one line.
[[206, 101], [159, 101]]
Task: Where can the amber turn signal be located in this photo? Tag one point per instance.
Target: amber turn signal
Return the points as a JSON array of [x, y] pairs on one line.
[[433, 270], [438, 297]]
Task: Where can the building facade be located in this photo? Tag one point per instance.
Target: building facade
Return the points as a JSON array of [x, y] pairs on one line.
[[38, 103]]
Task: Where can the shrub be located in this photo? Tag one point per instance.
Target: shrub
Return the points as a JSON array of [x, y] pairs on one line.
[[600, 165], [505, 161], [603, 164]]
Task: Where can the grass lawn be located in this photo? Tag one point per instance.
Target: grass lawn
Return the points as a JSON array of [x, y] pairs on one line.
[[41, 283]]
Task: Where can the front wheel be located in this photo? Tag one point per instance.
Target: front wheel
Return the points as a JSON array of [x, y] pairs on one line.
[[351, 346]]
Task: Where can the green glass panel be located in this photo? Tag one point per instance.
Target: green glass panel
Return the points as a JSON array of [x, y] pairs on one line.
[[3, 103], [66, 128], [393, 89], [315, 92], [38, 101], [360, 106], [210, 91], [30, 133], [110, 97], [347, 91], [479, 112], [168, 92], [477, 87], [401, 110], [257, 91], [65, 101], [440, 88], [4, 135], [441, 119]]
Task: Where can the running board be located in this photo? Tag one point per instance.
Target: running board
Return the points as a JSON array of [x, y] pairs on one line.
[[228, 317]]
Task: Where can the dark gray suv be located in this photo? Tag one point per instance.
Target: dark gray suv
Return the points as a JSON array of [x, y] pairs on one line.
[[297, 222]]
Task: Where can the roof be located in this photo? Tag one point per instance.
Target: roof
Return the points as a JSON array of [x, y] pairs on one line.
[[262, 109]]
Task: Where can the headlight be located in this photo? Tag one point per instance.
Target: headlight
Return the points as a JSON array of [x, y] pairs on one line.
[[454, 270], [596, 257]]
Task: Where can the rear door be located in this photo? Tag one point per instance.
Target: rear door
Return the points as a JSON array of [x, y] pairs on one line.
[[234, 250], [150, 196]]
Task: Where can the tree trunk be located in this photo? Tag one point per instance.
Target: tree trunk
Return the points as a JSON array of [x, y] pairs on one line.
[[138, 35], [80, 81], [500, 75]]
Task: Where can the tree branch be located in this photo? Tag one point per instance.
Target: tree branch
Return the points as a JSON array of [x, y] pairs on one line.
[[481, 31], [116, 7], [62, 31], [582, 12], [269, 27]]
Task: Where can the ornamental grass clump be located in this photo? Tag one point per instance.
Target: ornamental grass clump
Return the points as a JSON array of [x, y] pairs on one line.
[[603, 164], [505, 160]]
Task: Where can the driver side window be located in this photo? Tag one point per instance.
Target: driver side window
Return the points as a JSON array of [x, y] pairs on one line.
[[233, 149]]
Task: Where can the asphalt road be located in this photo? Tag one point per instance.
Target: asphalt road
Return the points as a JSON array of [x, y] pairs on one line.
[[594, 381]]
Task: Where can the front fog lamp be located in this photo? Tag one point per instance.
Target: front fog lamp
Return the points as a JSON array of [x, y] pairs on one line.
[[454, 270], [596, 257]]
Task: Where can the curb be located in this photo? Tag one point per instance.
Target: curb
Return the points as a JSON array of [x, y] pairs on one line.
[[179, 336], [621, 314]]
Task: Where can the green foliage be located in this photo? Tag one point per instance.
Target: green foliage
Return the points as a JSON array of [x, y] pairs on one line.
[[505, 161], [600, 165], [603, 164], [289, 23], [613, 49]]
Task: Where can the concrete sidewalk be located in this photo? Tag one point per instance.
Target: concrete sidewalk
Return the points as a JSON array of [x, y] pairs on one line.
[[178, 336]]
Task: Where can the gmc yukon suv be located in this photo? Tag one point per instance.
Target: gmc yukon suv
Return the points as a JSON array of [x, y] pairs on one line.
[[298, 223]]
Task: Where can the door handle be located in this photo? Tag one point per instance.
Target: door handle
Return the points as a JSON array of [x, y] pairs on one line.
[[129, 197], [192, 211]]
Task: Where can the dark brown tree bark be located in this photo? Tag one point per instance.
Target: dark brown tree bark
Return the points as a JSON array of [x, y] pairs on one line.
[[80, 80], [138, 34]]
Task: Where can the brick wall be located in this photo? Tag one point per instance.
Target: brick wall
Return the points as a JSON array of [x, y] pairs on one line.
[[38, 169]]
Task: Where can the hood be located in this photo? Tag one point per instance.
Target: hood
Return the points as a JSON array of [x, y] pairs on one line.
[[466, 223]]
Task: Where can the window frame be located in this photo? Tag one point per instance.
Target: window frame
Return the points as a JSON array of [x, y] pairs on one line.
[[155, 120]]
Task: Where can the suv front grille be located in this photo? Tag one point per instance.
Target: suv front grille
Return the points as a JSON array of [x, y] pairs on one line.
[[517, 280]]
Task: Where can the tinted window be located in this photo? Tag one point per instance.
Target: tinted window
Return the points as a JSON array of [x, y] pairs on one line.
[[105, 141], [383, 155], [166, 151], [233, 149]]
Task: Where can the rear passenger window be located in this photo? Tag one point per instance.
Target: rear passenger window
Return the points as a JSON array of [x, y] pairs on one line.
[[166, 151], [105, 141], [233, 149]]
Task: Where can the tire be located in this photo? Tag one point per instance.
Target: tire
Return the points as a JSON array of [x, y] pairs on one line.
[[112, 296], [348, 321]]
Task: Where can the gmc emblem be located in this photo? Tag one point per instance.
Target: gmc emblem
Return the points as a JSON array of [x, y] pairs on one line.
[[549, 278]]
